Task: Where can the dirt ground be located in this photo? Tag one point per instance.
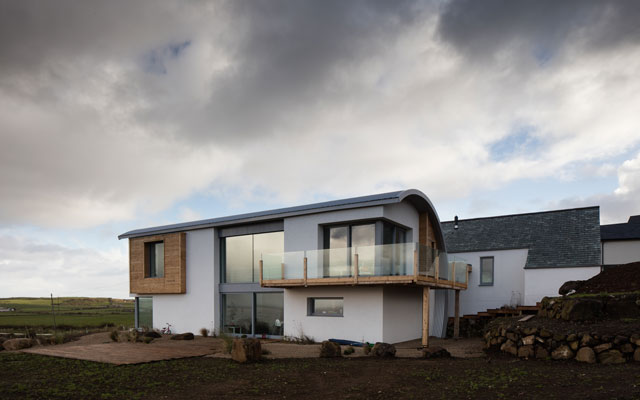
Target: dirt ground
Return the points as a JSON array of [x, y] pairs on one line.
[[623, 278]]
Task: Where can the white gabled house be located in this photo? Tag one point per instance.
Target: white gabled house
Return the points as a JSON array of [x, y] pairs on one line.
[[370, 268], [621, 242]]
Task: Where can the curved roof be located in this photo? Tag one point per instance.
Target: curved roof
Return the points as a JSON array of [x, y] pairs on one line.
[[418, 199]]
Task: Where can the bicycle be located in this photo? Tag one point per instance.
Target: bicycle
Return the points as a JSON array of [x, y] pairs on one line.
[[166, 330]]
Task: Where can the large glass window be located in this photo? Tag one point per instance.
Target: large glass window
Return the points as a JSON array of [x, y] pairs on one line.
[[155, 259], [269, 314], [242, 255], [236, 314], [363, 240], [240, 309], [486, 271], [144, 308], [325, 307]]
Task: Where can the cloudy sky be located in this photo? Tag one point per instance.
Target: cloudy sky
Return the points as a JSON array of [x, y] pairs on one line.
[[120, 115]]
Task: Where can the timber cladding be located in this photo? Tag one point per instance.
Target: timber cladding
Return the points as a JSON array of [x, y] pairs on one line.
[[174, 280]]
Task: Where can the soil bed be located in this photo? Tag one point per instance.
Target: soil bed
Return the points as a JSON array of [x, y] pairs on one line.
[[28, 376], [612, 327], [621, 279]]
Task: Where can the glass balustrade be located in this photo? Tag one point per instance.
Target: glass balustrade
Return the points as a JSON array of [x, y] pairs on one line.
[[399, 259]]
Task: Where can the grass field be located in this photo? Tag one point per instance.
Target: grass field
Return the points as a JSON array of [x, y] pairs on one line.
[[70, 313]]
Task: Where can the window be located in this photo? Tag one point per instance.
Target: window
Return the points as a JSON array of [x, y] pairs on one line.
[[242, 254], [325, 306], [486, 271], [144, 312], [253, 313], [155, 259]]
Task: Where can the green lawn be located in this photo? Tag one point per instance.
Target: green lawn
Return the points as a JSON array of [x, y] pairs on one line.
[[70, 312]]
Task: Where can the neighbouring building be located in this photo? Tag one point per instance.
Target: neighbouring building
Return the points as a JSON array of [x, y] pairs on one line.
[[370, 268], [518, 259], [621, 242]]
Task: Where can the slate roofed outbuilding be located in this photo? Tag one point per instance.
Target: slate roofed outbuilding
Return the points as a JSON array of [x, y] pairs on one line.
[[625, 231], [561, 238]]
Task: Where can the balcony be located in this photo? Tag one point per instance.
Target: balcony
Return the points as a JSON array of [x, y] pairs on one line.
[[403, 263]]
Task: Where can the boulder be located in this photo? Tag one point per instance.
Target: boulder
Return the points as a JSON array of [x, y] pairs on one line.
[[574, 345], [17, 344], [611, 357], [569, 287], [528, 340], [246, 350], [530, 331], [558, 337], [544, 333], [183, 336], [619, 339], [635, 339], [562, 353], [602, 347], [152, 334], [572, 337], [581, 309], [526, 352], [586, 354], [626, 348], [587, 340], [435, 352], [330, 349], [542, 353], [512, 336], [636, 355], [381, 349], [509, 347]]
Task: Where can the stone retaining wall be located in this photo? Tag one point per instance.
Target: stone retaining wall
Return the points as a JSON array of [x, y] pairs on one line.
[[532, 342], [591, 307]]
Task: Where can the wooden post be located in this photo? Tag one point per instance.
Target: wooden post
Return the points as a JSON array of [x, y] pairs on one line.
[[425, 316], [453, 278], [437, 267], [415, 265], [305, 272], [260, 272], [355, 266], [456, 316], [282, 267]]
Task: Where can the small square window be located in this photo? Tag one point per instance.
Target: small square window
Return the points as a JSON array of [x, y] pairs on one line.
[[486, 271], [325, 306], [155, 259]]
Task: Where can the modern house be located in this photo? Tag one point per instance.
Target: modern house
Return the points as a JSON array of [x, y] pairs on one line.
[[370, 268], [621, 242], [519, 259]]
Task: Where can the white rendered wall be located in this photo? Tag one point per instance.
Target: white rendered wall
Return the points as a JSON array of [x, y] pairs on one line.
[[620, 252], [508, 277], [195, 309], [362, 320], [402, 313], [543, 282], [404, 213]]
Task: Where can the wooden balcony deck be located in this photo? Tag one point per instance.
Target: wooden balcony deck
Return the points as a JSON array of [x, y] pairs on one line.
[[366, 280]]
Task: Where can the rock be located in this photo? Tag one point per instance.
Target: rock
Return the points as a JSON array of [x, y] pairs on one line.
[[528, 340], [587, 340], [435, 352], [530, 331], [247, 350], [602, 347], [17, 344], [621, 307], [574, 345], [509, 347], [572, 337], [562, 353], [381, 349], [559, 337], [635, 339], [183, 336], [542, 353], [626, 348], [586, 354], [512, 336], [611, 357], [544, 333], [581, 309], [526, 352], [152, 334], [568, 287], [636, 355], [619, 339]]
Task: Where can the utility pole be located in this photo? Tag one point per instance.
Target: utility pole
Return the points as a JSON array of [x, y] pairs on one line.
[[53, 313]]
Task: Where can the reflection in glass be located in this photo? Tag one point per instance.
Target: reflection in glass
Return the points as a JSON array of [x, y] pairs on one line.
[[269, 314], [338, 263], [236, 313], [266, 245], [238, 259], [145, 313], [326, 307], [486, 271], [363, 240]]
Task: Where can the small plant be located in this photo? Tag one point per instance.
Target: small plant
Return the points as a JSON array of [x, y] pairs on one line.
[[228, 342], [114, 335], [349, 350], [204, 332], [133, 336], [366, 348]]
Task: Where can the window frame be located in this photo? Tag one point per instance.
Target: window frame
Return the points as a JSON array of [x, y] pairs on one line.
[[150, 249], [493, 270], [311, 307]]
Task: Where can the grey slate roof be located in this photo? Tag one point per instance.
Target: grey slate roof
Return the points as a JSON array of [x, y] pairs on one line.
[[625, 231], [562, 238], [416, 197]]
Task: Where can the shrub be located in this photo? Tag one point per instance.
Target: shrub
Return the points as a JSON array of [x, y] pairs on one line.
[[204, 332], [228, 342], [133, 336], [367, 348], [114, 335], [349, 350]]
